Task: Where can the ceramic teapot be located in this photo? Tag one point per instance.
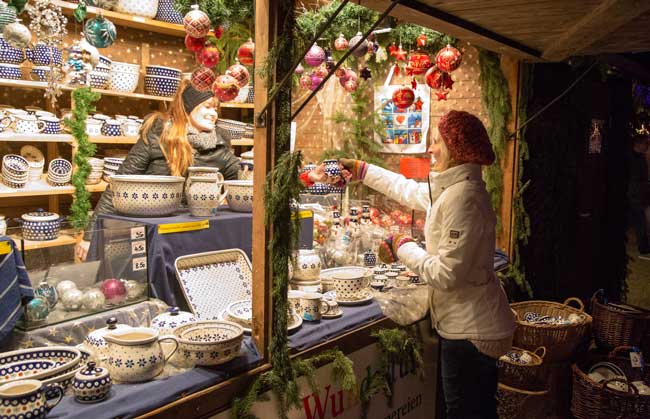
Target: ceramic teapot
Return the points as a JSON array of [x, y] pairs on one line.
[[204, 195], [135, 354], [95, 340]]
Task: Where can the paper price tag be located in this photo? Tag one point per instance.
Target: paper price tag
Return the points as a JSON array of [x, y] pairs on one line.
[[636, 359], [137, 233], [5, 248], [139, 264], [303, 214], [138, 247], [181, 227]]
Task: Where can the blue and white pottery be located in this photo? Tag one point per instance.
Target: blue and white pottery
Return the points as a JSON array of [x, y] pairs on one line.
[[332, 167], [7, 15], [60, 167], [24, 369], [250, 98], [52, 125], [146, 195], [65, 358], [336, 189], [98, 80], [10, 72], [161, 86], [112, 128], [95, 339], [28, 124], [36, 310], [14, 165], [167, 12], [307, 265], [208, 342], [91, 384], [240, 195], [26, 399], [44, 55], [104, 61], [143, 8], [159, 70], [319, 189], [308, 168], [40, 225], [93, 127], [369, 258], [9, 54], [48, 292], [40, 73], [123, 81], [205, 195], [166, 322]]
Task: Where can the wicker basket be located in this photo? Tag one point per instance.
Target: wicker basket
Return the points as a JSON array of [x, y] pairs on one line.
[[530, 376], [511, 401], [561, 341], [615, 326], [592, 400]]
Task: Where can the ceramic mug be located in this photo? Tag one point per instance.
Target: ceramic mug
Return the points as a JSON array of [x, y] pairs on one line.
[[27, 398], [204, 195], [93, 127], [28, 124], [129, 127], [307, 265], [350, 285], [312, 306], [52, 124]]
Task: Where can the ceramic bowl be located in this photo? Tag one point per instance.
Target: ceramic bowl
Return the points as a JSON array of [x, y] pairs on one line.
[[123, 82], [40, 73], [41, 225], [159, 70], [240, 195], [65, 359], [208, 342], [10, 72], [147, 196], [235, 129], [161, 86], [43, 55], [104, 61], [241, 312], [122, 67], [9, 54], [60, 167], [142, 8], [24, 369], [91, 384], [99, 80], [15, 165], [167, 12]]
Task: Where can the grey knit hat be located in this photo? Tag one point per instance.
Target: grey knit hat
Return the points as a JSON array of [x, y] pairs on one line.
[[192, 98]]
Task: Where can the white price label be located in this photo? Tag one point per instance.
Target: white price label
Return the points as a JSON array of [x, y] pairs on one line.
[[137, 233], [139, 246], [636, 359], [139, 264], [138, 19]]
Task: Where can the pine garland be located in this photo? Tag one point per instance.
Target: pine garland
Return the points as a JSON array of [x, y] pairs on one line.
[[84, 99]]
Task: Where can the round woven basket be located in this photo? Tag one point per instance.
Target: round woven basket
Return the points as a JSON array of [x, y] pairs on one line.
[[615, 325], [561, 341], [530, 376], [512, 402]]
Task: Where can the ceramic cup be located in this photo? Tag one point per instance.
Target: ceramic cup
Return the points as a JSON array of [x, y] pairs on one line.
[[350, 285], [28, 124], [312, 306], [39, 73], [27, 399], [130, 127], [402, 282], [111, 128], [52, 124], [93, 127]]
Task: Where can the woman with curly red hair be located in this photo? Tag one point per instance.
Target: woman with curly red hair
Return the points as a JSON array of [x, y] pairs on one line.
[[468, 306]]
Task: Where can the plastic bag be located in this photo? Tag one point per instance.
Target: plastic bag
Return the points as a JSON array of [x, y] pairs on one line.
[[405, 305]]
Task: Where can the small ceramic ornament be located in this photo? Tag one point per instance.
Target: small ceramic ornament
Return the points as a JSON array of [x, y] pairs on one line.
[[403, 97], [448, 59], [202, 79], [362, 48], [17, 35], [225, 88], [72, 299], [100, 32], [114, 291], [246, 53], [240, 73], [48, 292], [196, 22], [91, 384], [37, 310], [209, 56], [341, 44], [315, 56], [93, 299], [194, 44], [64, 286]]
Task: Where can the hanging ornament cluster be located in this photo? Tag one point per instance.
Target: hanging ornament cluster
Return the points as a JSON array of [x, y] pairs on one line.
[[438, 77], [246, 53], [47, 21]]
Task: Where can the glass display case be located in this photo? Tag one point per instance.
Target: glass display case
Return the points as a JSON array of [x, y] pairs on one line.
[[113, 275]]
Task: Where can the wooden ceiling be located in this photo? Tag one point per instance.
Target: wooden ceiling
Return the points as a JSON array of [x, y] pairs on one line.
[[550, 30]]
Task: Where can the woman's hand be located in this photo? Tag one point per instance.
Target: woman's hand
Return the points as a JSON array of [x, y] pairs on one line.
[[319, 175], [81, 250], [389, 247], [353, 169]]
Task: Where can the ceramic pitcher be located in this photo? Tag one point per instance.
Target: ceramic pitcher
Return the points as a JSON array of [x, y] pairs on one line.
[[204, 195], [135, 354]]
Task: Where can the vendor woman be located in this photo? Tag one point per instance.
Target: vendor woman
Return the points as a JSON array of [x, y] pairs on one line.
[[172, 141], [469, 308]]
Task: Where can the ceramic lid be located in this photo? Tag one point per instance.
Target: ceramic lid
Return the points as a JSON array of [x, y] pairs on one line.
[[91, 372], [40, 215], [172, 318]]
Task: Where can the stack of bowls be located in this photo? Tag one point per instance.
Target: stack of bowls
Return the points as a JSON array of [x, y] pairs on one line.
[[235, 129], [15, 171], [35, 159], [124, 77], [168, 13], [59, 172], [161, 81], [96, 171], [111, 166]]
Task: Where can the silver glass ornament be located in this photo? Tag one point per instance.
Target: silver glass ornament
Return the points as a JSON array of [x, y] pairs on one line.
[[93, 299], [64, 286], [72, 299], [134, 289]]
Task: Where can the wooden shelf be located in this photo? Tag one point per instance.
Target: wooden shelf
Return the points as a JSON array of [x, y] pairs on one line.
[[247, 142], [127, 20], [113, 140], [63, 240], [100, 187], [41, 138], [237, 105], [42, 188]]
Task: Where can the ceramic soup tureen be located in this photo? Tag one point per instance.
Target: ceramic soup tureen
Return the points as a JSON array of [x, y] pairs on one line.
[[166, 322]]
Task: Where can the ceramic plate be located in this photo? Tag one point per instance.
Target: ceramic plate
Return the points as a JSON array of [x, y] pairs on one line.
[[241, 310], [367, 297], [295, 322], [212, 280], [334, 315]]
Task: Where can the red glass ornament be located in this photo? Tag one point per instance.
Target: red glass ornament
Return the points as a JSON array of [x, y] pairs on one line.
[[225, 88], [392, 49], [246, 53], [418, 63], [421, 40], [315, 56], [202, 79], [209, 56], [305, 81], [340, 72], [194, 44], [403, 97], [196, 23], [218, 33], [433, 78], [240, 73], [341, 44], [114, 291], [448, 59]]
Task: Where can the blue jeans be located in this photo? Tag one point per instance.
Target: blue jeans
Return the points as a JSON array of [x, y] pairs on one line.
[[469, 380]]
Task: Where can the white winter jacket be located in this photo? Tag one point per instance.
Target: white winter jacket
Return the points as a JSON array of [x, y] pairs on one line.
[[467, 301]]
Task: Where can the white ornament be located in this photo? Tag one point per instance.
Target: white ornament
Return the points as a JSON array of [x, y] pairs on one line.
[[64, 286], [72, 299], [93, 299], [17, 35]]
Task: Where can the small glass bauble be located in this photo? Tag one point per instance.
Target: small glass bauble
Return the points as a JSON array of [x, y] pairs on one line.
[[134, 289], [114, 291], [93, 299], [100, 32], [64, 286], [72, 299], [48, 292], [37, 309]]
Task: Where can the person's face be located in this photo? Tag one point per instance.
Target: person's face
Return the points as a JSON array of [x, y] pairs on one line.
[[205, 115], [434, 148]]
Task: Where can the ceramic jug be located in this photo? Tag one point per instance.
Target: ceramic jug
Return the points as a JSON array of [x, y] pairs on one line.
[[307, 265], [201, 171], [204, 195], [135, 354]]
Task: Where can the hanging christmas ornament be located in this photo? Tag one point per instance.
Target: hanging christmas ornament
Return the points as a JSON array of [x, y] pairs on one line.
[[202, 79], [421, 40], [7, 15], [330, 63], [315, 56], [360, 47], [218, 33], [341, 44], [316, 80], [371, 47], [100, 32], [194, 44], [442, 95], [17, 35], [209, 56], [351, 85], [321, 71], [365, 73], [433, 78], [225, 88], [448, 59], [447, 82], [246, 53], [340, 72], [240, 73], [196, 22], [299, 70], [418, 104], [392, 49], [46, 21], [305, 81], [403, 97], [418, 63], [381, 55], [348, 75], [400, 53], [414, 84]]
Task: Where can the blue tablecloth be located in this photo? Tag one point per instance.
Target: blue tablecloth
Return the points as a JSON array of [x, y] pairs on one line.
[[15, 287]]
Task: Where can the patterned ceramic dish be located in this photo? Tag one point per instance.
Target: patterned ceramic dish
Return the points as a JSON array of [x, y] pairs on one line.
[[60, 167], [209, 342], [159, 70], [10, 72], [168, 321], [15, 165], [122, 67], [240, 195], [43, 55], [65, 358], [99, 80], [143, 8], [123, 82], [235, 129], [24, 370], [91, 384], [40, 73], [327, 275], [9, 54], [161, 86], [167, 12], [242, 312], [147, 196], [41, 225]]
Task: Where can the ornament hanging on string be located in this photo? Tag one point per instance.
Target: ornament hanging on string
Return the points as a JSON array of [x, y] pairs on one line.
[[341, 44], [209, 56], [17, 35], [194, 44], [330, 63], [340, 72], [315, 56], [246, 53], [359, 48], [202, 79], [196, 22], [418, 63], [305, 81], [240, 73], [421, 40], [299, 70], [321, 71], [100, 32], [47, 22], [365, 73], [316, 80], [351, 85], [433, 78], [448, 59], [391, 49], [225, 88], [381, 55], [403, 97]]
